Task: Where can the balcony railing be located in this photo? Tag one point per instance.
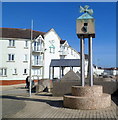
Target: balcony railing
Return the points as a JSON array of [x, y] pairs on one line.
[[37, 63], [63, 53], [36, 49]]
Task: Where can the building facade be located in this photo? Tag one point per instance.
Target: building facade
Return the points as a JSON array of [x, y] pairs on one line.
[[15, 54]]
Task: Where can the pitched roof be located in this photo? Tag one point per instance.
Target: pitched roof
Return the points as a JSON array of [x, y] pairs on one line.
[[112, 68], [65, 63], [19, 33], [85, 16], [62, 41], [86, 55], [70, 76]]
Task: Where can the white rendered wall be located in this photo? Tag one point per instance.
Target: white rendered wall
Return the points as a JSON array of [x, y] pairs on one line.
[[18, 63], [19, 52], [51, 35], [73, 54], [98, 71]]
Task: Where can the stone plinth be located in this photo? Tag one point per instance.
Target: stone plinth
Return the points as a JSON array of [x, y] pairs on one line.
[[87, 98], [87, 91]]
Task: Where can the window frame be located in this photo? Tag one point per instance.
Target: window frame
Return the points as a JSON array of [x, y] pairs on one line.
[[14, 71], [26, 44], [11, 43], [3, 72], [11, 57], [25, 59], [25, 73], [52, 49]]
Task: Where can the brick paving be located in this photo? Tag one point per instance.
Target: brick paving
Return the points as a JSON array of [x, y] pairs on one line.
[[44, 105]]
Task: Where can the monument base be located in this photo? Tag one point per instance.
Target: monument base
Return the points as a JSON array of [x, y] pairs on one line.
[[87, 97]]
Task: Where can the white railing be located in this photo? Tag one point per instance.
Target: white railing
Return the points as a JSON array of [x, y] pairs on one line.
[[37, 63], [38, 49], [63, 52]]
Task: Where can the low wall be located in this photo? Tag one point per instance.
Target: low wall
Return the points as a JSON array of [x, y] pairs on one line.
[[61, 88], [108, 86], [43, 84], [13, 82]]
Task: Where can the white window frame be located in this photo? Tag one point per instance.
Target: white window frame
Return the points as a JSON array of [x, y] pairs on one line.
[[37, 59], [11, 57], [25, 73], [52, 49], [14, 71], [3, 72], [11, 43], [26, 44], [25, 58], [37, 72], [71, 52], [37, 46]]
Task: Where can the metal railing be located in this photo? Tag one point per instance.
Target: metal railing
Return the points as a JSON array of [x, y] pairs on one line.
[[37, 49], [63, 52], [37, 63]]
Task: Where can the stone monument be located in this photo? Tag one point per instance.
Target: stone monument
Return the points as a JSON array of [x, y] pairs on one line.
[[86, 96]]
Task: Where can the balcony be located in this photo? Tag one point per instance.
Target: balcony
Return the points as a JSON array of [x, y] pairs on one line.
[[37, 64], [64, 53], [36, 50]]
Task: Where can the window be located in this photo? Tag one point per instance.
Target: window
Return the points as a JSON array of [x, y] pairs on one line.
[[14, 71], [37, 46], [52, 49], [11, 43], [10, 57], [25, 71], [84, 28], [37, 71], [71, 52], [85, 24], [25, 57], [3, 71], [26, 44], [62, 57], [37, 60]]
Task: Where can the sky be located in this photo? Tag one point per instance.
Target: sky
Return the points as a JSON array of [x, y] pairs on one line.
[[62, 17]]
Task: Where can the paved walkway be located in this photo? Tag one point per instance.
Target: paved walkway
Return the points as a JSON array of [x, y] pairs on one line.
[[44, 105], [11, 87]]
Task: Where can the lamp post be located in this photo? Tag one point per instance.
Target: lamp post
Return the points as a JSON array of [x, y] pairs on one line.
[[30, 70]]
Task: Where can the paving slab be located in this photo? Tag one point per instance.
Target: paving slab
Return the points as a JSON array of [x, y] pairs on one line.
[[43, 105]]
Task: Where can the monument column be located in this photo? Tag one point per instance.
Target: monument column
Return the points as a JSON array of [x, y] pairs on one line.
[[82, 60], [60, 72], [90, 62], [52, 72], [92, 96], [49, 72]]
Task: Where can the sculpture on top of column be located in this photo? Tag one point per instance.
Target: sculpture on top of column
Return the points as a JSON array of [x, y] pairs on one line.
[[85, 29]]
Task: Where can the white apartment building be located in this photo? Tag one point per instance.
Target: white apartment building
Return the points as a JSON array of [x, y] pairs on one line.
[[15, 54]]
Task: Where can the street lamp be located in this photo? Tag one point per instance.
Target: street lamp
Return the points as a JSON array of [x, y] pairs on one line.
[[30, 70]]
